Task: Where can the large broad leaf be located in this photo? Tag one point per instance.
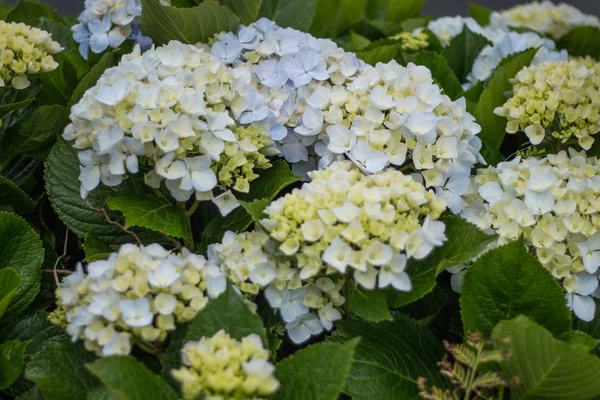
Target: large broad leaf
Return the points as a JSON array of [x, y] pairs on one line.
[[32, 327], [394, 11], [270, 182], [389, 358], [12, 359], [187, 25], [297, 14], [317, 372], [31, 13], [128, 379], [493, 127], [479, 14], [247, 10], [10, 281], [109, 59], [465, 242], [13, 196], [150, 212], [59, 84], [547, 368], [582, 41], [333, 17], [463, 50], [230, 312], [62, 185], [507, 282], [382, 51], [22, 251], [370, 305], [60, 371], [36, 133], [441, 72]]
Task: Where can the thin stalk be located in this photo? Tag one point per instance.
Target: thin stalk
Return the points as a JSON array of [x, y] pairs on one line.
[[473, 372]]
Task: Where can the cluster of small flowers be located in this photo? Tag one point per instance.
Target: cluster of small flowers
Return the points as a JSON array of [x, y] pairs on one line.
[[105, 23], [222, 368], [412, 41], [503, 44], [560, 100], [24, 51], [296, 74], [253, 262], [174, 106], [137, 294], [554, 203], [545, 17]]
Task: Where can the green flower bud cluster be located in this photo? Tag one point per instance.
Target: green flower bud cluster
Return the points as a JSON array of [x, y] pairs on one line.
[[24, 51], [412, 41], [559, 99], [137, 295], [222, 368]]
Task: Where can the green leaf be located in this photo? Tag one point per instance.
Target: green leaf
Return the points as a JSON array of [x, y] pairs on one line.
[[109, 59], [380, 52], [317, 372], [187, 25], [270, 182], [370, 305], [465, 242], [358, 42], [60, 371], [547, 368], [36, 133], [22, 251], [441, 72], [59, 84], [230, 312], [96, 249], [13, 196], [333, 17], [493, 127], [395, 11], [480, 14], [581, 41], [297, 14], [256, 208], [150, 212], [507, 282], [31, 12], [128, 379], [389, 358], [33, 327], [247, 10], [579, 338], [463, 50], [10, 281], [6, 108], [33, 394], [12, 359]]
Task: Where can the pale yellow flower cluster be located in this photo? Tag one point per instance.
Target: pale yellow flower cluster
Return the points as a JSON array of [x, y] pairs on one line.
[[222, 368], [24, 51], [554, 202], [560, 100], [544, 17], [412, 41], [137, 295]]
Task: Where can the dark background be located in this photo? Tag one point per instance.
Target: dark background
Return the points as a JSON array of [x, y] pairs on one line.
[[436, 8]]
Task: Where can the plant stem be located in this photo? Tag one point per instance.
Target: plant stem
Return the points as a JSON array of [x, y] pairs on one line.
[[188, 241], [192, 209], [473, 372], [501, 393]]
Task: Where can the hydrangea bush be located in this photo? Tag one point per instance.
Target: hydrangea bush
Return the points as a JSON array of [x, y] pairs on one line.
[[304, 199]]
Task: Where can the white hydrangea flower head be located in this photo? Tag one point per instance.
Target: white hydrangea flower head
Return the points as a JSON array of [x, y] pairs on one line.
[[108, 23], [25, 51], [220, 367], [508, 43], [179, 109], [294, 72], [553, 202], [447, 28], [545, 17], [556, 101], [136, 296]]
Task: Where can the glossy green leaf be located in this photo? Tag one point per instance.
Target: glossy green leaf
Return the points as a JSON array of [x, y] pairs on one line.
[[480, 14], [187, 25], [389, 358], [317, 372], [297, 14], [12, 359], [13, 196], [10, 281], [462, 52], [465, 242], [128, 379], [441, 72], [150, 212], [22, 251], [247, 10], [333, 17], [581, 41], [370, 305], [547, 368], [507, 282]]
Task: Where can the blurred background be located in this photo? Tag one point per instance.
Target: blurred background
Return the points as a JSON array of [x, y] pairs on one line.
[[435, 8]]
